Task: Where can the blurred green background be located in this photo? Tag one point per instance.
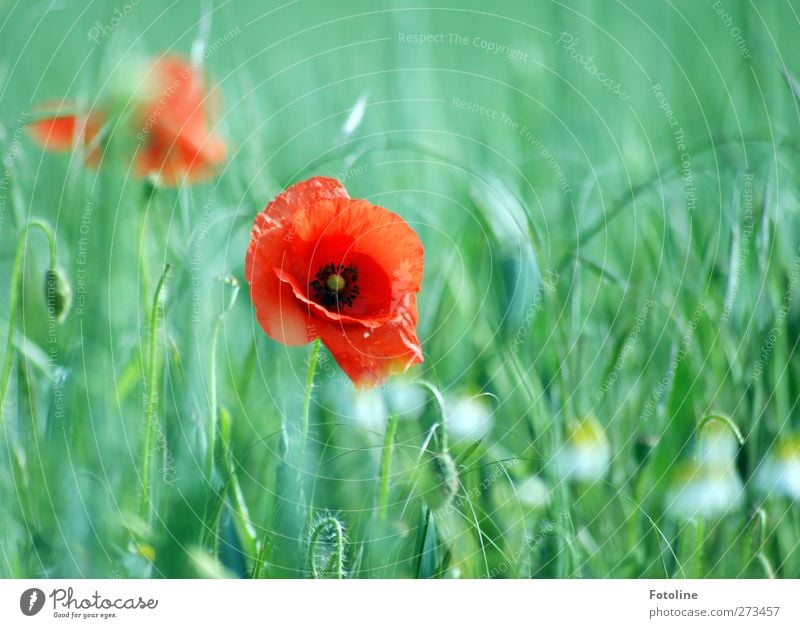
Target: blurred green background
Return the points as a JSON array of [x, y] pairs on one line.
[[607, 194]]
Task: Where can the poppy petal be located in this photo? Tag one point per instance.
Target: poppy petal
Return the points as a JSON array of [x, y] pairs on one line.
[[315, 308], [55, 133], [345, 231], [305, 195], [369, 357], [280, 314], [344, 270], [174, 116], [62, 132], [173, 159]]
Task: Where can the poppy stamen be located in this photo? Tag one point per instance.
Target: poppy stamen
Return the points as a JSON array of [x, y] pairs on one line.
[[335, 285]]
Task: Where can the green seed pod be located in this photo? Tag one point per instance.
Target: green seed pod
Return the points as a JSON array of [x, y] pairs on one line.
[[58, 293], [438, 480], [327, 543]]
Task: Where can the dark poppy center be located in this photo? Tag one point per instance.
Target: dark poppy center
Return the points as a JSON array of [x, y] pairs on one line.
[[335, 286]]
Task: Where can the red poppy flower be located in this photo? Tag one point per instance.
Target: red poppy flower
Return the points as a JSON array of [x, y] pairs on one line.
[[323, 265], [170, 123], [60, 132]]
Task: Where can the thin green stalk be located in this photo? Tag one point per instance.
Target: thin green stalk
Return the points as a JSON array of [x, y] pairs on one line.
[[214, 406], [423, 536], [16, 273], [694, 560], [145, 504], [754, 542], [211, 437], [312, 367], [386, 466], [232, 491], [284, 465], [144, 266], [441, 432], [261, 559], [247, 533]]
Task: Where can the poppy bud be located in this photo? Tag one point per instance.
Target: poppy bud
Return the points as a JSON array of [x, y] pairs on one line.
[[58, 293], [439, 480]]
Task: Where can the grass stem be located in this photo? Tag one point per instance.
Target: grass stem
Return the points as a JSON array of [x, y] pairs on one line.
[[150, 419], [16, 276], [386, 466], [312, 367]]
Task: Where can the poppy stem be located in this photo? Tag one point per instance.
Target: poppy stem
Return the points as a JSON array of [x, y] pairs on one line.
[[312, 367], [150, 418], [214, 406], [148, 193], [16, 275]]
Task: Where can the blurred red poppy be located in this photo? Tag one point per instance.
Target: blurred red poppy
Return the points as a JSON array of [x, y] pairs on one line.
[[170, 122], [323, 265], [62, 131]]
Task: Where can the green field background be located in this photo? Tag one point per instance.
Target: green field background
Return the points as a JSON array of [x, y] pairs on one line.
[[566, 164]]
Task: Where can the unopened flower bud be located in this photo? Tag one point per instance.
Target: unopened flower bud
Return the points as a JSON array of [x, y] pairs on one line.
[[58, 293], [326, 547], [439, 480]]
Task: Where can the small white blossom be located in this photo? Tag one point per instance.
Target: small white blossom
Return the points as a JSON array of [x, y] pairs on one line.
[[586, 452]]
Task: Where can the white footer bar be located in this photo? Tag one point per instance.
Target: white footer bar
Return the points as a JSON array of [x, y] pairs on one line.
[[383, 603]]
